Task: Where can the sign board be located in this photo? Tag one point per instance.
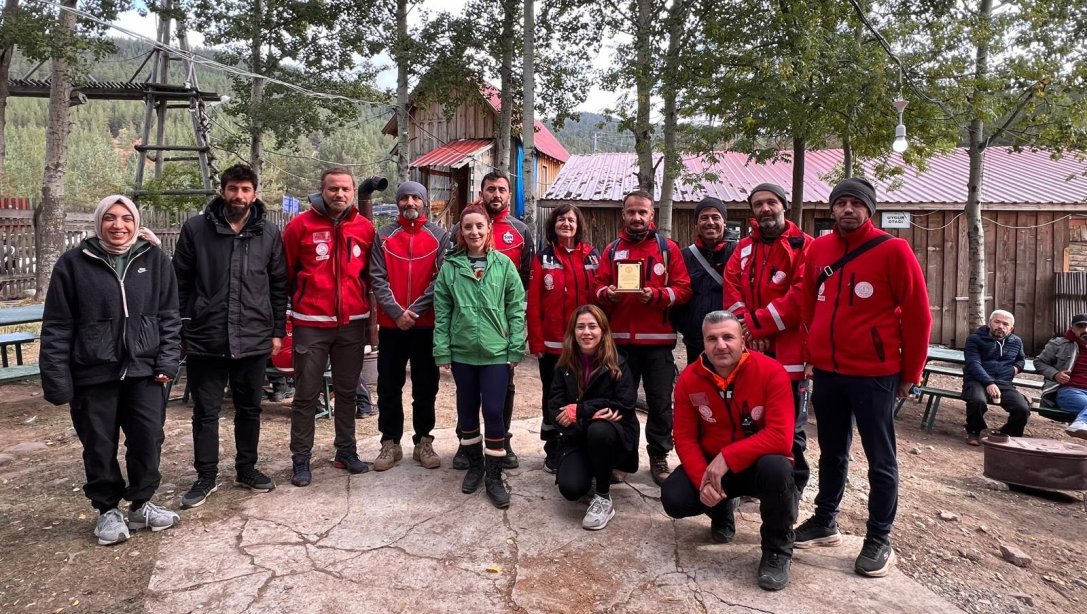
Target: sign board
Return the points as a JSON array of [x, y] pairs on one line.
[[895, 219], [291, 204]]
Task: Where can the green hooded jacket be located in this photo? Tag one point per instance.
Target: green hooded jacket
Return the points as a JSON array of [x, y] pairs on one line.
[[479, 321]]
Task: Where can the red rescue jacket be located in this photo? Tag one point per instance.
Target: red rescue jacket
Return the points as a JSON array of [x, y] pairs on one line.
[[871, 318], [757, 282], [404, 263], [560, 282], [634, 322], [709, 412], [327, 267]]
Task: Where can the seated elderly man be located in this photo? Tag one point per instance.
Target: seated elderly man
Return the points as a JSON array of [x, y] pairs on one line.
[[994, 356], [733, 430]]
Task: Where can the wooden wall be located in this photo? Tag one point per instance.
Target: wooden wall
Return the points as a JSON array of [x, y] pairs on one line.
[[1023, 251], [430, 129]]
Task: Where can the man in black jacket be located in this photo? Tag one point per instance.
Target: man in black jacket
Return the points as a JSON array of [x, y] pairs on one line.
[[994, 356], [705, 260], [232, 289]]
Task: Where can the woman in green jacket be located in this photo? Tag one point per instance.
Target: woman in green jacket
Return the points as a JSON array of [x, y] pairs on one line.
[[479, 332]]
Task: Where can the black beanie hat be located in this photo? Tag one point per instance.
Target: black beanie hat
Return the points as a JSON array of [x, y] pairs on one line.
[[710, 202], [858, 188], [773, 188]]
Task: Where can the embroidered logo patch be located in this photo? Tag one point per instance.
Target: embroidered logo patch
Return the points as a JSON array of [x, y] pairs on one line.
[[658, 269], [779, 277], [756, 413], [549, 282], [322, 249], [864, 290], [622, 254], [507, 237], [356, 251], [322, 236], [706, 413], [822, 287]]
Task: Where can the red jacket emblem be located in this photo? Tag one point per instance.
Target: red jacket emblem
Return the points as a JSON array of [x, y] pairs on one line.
[[560, 282]]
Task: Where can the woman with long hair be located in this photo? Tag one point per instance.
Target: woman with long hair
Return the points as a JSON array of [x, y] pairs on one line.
[[561, 280], [592, 404], [110, 345], [479, 333]]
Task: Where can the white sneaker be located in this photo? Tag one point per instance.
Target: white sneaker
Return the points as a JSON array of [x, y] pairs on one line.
[[151, 516], [1078, 429], [111, 528], [599, 513]]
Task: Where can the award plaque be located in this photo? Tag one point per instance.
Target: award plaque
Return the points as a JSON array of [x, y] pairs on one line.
[[628, 276]]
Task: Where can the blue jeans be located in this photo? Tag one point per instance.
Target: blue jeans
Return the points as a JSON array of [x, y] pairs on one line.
[[1073, 400]]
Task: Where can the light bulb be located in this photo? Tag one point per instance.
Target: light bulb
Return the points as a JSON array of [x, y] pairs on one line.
[[900, 144]]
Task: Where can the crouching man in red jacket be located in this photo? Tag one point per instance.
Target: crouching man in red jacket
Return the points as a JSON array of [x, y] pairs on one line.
[[733, 429]]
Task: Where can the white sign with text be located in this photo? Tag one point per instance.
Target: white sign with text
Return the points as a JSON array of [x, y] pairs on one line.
[[895, 219]]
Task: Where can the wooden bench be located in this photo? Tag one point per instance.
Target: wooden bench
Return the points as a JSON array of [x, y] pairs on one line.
[[20, 372], [1057, 415], [17, 340]]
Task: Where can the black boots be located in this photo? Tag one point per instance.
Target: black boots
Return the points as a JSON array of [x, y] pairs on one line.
[[496, 490], [510, 460], [474, 454], [460, 459]]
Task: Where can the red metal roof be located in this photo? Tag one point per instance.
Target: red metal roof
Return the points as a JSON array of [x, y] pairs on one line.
[[543, 140], [453, 153], [1027, 177]]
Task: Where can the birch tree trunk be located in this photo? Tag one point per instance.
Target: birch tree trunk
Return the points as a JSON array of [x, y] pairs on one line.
[[643, 82], [528, 135], [505, 114], [796, 209], [402, 112], [11, 7], [672, 163], [256, 94], [975, 232]]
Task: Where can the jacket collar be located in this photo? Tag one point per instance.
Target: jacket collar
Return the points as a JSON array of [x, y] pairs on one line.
[[215, 213], [411, 225], [709, 372], [791, 230], [859, 236], [650, 233]]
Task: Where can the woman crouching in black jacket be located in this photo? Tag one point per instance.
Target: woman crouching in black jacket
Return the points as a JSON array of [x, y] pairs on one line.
[[110, 344], [592, 403]]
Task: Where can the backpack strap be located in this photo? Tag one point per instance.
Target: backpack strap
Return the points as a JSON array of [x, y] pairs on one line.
[[705, 264], [841, 262]]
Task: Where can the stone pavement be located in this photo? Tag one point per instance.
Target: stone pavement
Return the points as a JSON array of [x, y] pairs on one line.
[[407, 540]]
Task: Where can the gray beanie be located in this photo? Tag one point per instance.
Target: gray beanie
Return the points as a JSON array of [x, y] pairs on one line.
[[774, 189], [412, 187], [858, 188], [710, 202]]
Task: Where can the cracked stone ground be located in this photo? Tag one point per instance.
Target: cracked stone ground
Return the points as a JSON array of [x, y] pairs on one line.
[[408, 540]]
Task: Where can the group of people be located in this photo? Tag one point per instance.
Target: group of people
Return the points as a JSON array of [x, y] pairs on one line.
[[760, 318]]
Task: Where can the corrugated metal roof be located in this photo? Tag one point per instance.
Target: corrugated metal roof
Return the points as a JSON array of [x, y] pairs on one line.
[[543, 140], [1027, 177], [452, 154]]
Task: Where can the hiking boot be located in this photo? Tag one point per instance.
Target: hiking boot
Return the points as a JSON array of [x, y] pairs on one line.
[[773, 571], [151, 516], [460, 459], [425, 454], [1078, 429], [510, 460], [300, 472], [474, 455], [658, 468], [973, 439], [349, 460], [111, 528], [723, 523], [391, 453], [811, 534], [254, 480], [876, 559], [599, 513], [496, 489], [618, 477], [198, 493]]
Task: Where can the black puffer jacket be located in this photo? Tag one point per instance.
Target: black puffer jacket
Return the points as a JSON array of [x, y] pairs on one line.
[[602, 391], [100, 327], [232, 287]]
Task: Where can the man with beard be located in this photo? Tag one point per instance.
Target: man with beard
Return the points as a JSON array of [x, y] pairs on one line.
[[1063, 362], [328, 269], [994, 356], [639, 316], [762, 269], [404, 264], [866, 304], [232, 289], [511, 238], [705, 261]]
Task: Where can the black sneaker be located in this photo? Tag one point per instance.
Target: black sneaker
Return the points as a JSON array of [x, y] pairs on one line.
[[811, 534], [723, 523], [254, 480], [300, 472], [550, 465], [198, 493], [349, 460], [876, 559], [773, 571]]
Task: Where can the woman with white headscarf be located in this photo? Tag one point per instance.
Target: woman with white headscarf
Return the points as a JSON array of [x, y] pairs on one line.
[[110, 345]]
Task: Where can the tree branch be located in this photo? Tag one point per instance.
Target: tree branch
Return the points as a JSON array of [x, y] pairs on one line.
[[1014, 117]]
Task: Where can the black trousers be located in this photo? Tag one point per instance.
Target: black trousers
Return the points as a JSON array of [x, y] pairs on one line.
[[398, 348], [207, 379], [1013, 402], [770, 480], [801, 470], [839, 401], [547, 376], [314, 350], [600, 452], [507, 409], [100, 413], [694, 349], [655, 367]]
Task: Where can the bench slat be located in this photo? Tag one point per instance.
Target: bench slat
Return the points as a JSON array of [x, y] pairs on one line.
[[13, 374], [17, 338]]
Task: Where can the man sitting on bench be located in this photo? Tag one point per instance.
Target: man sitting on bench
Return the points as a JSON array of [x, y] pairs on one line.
[[1063, 362], [994, 356]]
